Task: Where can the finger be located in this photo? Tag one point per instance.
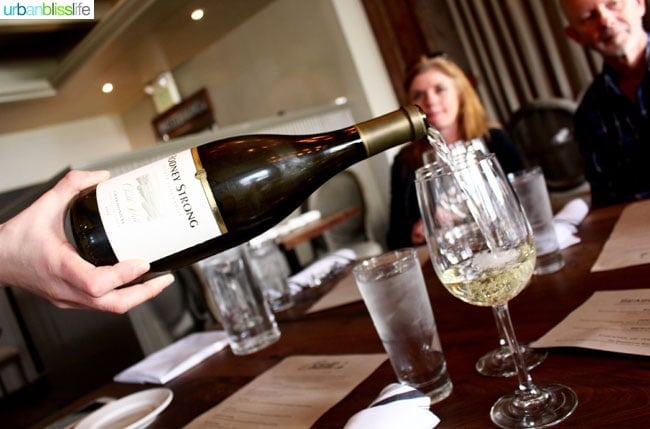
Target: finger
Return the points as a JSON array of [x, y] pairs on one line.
[[68, 187], [122, 300], [118, 275], [97, 281], [84, 179], [75, 181], [129, 270]]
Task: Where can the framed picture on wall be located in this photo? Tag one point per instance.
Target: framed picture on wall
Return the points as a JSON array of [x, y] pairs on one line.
[[193, 114]]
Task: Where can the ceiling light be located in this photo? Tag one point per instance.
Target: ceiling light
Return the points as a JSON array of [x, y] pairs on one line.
[[196, 14], [107, 87]]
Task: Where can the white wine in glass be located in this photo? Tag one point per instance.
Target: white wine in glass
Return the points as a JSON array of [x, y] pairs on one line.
[[483, 252]]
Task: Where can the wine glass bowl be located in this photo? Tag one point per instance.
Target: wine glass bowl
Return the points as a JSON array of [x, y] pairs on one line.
[[483, 251], [481, 245]]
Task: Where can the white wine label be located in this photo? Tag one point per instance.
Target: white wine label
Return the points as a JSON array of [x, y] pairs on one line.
[[156, 210]]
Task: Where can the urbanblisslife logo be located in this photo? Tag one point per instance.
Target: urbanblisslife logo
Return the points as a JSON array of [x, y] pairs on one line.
[[43, 9]]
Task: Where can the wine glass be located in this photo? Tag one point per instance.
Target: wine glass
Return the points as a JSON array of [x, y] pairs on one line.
[[499, 361], [483, 252]]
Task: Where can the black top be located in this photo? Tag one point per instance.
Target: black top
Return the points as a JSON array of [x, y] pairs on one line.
[[404, 210], [614, 137]]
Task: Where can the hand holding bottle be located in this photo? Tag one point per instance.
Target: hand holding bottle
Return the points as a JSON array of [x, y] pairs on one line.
[[36, 256]]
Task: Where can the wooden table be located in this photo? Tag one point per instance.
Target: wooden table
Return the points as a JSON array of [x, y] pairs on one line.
[[613, 389], [316, 228], [289, 241]]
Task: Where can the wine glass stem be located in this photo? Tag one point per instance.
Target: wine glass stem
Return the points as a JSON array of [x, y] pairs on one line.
[[504, 325], [502, 335]]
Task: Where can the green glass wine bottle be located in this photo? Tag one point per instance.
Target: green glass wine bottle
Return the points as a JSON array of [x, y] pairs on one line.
[[196, 203]]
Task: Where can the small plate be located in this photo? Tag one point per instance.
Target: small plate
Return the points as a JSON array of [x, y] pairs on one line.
[[134, 411]]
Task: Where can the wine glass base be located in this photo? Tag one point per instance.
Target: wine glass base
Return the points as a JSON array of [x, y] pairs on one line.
[[499, 362], [554, 404]]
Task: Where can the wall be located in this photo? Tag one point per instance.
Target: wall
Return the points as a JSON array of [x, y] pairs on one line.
[[292, 55], [34, 156]]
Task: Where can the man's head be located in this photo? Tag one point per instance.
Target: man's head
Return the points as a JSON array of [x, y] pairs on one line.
[[614, 28]]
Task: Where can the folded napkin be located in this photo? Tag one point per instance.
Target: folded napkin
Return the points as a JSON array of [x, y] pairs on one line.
[[171, 361], [566, 222], [397, 406], [322, 268]]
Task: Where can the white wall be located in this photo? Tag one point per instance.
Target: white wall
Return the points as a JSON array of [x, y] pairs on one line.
[[34, 156], [291, 55], [380, 98]]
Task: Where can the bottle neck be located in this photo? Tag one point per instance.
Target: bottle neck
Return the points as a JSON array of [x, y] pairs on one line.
[[392, 129]]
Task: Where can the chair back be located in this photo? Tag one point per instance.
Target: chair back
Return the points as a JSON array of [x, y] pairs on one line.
[[339, 193], [543, 132]]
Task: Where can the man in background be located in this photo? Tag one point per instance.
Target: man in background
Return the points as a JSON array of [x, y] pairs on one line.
[[612, 123]]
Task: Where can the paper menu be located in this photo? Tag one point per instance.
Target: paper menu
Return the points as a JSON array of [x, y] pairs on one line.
[[629, 242], [615, 321], [291, 395], [345, 292]]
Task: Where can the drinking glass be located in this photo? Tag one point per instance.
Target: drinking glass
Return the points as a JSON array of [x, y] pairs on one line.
[[270, 271], [499, 362], [238, 302], [530, 186], [483, 251], [394, 291]]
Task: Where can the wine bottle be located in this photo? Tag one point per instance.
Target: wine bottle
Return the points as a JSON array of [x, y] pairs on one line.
[[198, 202]]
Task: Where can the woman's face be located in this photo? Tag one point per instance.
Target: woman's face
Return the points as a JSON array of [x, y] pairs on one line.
[[436, 94]]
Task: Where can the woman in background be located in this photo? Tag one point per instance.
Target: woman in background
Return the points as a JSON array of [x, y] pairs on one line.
[[445, 94]]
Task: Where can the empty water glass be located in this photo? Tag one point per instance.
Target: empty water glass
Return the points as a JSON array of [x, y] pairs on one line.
[[239, 303], [530, 186], [270, 271]]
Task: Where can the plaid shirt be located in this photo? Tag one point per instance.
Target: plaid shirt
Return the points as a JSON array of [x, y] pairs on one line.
[[614, 137]]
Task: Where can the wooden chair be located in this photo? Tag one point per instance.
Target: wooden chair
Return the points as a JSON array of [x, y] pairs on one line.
[[341, 192]]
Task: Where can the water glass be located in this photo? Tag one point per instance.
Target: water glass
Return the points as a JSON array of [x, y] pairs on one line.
[[238, 302], [530, 186], [271, 272], [394, 291]]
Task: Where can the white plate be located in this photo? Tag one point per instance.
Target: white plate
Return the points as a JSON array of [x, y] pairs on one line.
[[130, 412]]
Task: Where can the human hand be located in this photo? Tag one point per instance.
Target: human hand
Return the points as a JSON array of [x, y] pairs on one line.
[[35, 256], [418, 236]]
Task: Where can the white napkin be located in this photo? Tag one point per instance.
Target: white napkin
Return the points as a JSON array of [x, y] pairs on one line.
[[171, 361], [566, 222], [397, 406], [323, 267]]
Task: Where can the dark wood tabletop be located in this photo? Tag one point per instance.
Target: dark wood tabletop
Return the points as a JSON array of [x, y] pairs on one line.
[[314, 229], [613, 389]]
